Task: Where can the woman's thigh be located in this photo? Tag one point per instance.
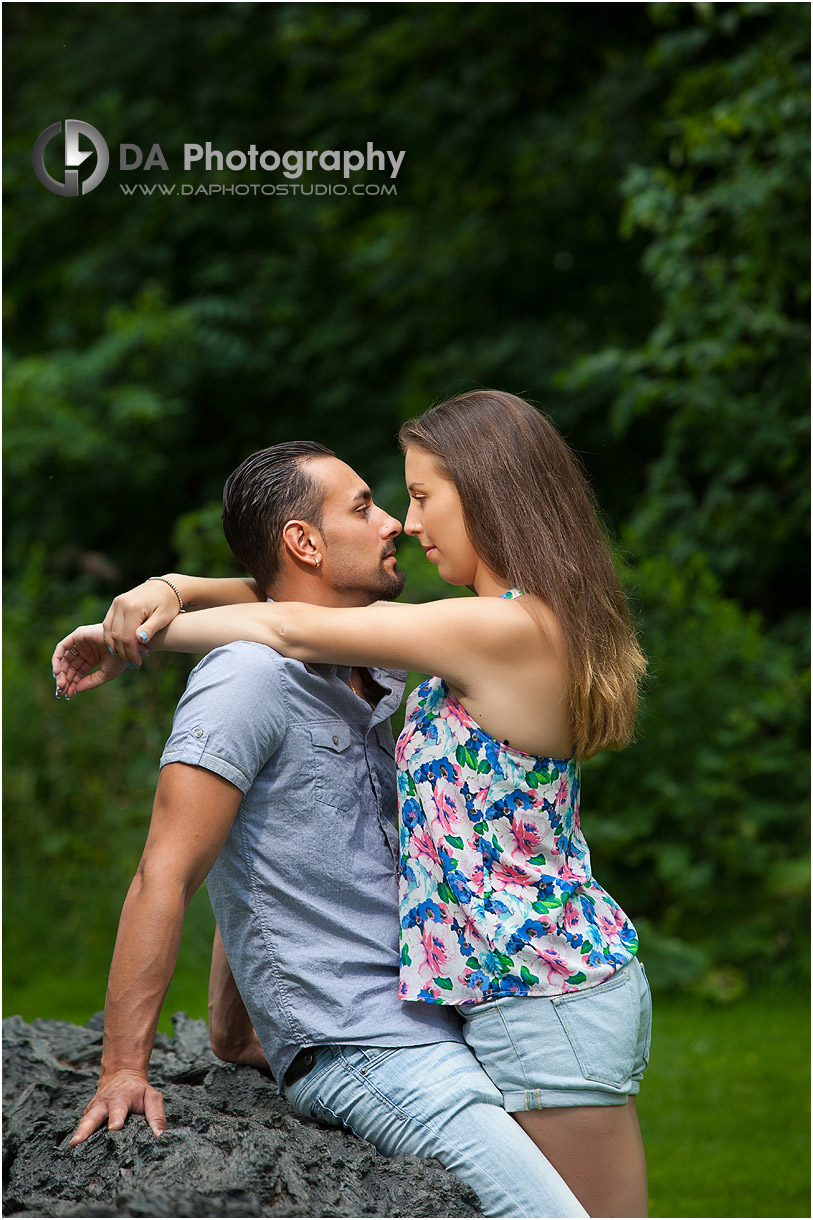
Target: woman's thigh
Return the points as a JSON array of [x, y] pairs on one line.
[[435, 1101], [598, 1151]]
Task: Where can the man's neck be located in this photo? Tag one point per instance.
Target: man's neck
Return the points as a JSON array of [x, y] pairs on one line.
[[316, 592]]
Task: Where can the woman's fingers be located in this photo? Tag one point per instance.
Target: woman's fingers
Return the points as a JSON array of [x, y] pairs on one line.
[[142, 611], [156, 622]]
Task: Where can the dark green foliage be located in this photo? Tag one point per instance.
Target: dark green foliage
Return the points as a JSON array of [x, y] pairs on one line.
[[702, 825], [614, 225]]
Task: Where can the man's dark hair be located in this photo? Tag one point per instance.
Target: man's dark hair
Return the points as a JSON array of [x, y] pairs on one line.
[[271, 487]]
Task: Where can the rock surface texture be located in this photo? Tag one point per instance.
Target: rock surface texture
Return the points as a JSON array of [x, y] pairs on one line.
[[232, 1146]]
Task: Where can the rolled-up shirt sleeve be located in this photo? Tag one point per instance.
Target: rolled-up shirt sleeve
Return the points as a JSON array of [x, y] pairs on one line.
[[232, 716]]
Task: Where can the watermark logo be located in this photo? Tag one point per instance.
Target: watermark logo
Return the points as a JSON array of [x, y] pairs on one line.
[[74, 128], [197, 158]]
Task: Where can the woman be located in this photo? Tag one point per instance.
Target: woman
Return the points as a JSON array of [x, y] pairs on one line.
[[500, 913]]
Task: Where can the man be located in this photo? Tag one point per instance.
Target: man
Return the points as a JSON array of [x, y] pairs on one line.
[[278, 785]]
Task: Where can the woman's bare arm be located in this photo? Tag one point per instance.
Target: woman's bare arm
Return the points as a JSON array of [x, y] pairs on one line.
[[458, 638], [154, 603]]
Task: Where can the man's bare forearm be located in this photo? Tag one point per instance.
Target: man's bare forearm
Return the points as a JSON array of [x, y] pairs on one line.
[[144, 958]]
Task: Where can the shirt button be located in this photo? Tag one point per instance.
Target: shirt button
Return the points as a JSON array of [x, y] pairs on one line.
[[335, 741], [198, 732]]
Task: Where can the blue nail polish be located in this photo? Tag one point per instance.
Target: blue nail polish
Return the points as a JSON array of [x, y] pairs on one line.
[[142, 635], [110, 650], [130, 665]]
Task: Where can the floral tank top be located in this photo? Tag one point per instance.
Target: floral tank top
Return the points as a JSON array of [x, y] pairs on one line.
[[496, 893]]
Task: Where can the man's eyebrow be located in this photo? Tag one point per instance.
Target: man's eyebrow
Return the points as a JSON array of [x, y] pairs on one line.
[[364, 494]]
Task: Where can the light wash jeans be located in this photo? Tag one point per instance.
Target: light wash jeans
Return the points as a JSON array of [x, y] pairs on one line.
[[435, 1101]]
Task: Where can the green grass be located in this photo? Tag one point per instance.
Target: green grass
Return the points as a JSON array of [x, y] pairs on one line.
[[725, 1107], [74, 991]]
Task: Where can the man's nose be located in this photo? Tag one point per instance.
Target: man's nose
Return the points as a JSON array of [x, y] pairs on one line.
[[390, 526]]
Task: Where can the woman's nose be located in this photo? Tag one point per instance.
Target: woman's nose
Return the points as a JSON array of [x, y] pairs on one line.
[[411, 523]]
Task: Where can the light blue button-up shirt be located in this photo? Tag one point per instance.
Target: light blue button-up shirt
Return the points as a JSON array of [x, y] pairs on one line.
[[304, 890]]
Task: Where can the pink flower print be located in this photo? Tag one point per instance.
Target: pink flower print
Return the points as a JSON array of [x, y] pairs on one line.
[[471, 931], [445, 814], [505, 874], [480, 801], [432, 990], [608, 926], [572, 918], [475, 987], [558, 967], [449, 712], [527, 836], [421, 845], [402, 989], [566, 873], [562, 793], [439, 942], [476, 878], [408, 744]]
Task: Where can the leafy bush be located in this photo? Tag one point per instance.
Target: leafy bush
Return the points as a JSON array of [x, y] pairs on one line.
[[700, 828]]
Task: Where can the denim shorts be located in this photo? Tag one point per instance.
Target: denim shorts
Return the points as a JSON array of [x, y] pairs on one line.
[[583, 1048]]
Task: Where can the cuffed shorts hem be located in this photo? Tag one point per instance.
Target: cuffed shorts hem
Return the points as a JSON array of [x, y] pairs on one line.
[[550, 1099]]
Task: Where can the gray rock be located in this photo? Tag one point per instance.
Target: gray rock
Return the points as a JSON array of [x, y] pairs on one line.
[[232, 1146]]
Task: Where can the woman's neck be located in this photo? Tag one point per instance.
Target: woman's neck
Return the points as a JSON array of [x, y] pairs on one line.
[[486, 584]]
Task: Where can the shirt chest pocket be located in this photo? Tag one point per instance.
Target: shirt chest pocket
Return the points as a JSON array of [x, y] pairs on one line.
[[335, 781]]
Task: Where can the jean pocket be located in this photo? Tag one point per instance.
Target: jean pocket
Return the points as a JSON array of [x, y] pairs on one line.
[[646, 1019], [302, 1095], [602, 1025], [366, 1059]]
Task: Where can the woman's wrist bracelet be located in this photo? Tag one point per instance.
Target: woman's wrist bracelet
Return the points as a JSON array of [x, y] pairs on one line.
[[172, 587]]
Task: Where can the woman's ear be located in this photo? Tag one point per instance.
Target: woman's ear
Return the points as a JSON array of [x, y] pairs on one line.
[[303, 542]]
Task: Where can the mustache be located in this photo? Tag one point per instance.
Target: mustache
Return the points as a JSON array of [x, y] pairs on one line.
[[388, 554]]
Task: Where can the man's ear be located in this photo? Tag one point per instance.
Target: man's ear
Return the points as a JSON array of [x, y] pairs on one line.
[[303, 542]]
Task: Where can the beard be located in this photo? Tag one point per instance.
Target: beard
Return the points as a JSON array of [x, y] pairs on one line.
[[379, 584]]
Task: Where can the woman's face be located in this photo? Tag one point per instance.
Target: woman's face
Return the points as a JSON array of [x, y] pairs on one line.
[[435, 518]]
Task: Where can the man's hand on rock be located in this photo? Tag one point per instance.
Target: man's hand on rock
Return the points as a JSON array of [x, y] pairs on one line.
[[119, 1094]]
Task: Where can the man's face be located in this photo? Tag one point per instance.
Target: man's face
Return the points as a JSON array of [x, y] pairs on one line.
[[359, 537]]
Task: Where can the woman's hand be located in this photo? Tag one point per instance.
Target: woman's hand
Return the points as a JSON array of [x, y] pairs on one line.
[[77, 657], [135, 616]]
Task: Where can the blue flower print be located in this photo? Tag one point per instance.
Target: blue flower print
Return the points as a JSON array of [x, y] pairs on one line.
[[472, 885], [412, 814]]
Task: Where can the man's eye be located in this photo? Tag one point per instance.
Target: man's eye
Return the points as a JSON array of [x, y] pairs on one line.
[[365, 508]]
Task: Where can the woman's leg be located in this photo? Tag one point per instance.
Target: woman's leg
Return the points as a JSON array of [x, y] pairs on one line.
[[568, 1068], [599, 1153]]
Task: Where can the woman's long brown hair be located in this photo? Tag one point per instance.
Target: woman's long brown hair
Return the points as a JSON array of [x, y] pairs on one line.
[[533, 519]]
